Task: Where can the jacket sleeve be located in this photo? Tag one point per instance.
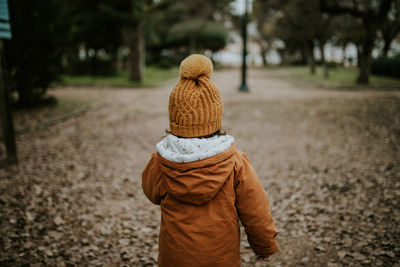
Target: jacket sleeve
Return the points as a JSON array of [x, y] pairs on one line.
[[151, 179], [254, 211]]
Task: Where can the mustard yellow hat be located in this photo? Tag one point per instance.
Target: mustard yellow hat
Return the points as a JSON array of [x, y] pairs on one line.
[[195, 105]]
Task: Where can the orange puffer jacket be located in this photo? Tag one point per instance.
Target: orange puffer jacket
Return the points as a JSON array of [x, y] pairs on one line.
[[201, 203]]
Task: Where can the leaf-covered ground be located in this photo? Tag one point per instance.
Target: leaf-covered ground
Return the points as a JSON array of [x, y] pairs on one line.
[[329, 161]]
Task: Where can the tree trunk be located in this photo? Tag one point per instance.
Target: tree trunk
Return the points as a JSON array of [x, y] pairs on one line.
[[364, 61], [6, 116], [359, 56], [120, 60], [286, 57], [264, 48], [309, 50], [137, 52], [386, 47], [263, 54], [364, 69], [282, 56], [344, 45], [388, 34], [303, 56], [324, 64]]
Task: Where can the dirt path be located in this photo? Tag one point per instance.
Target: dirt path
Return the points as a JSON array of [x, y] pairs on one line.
[[329, 162]]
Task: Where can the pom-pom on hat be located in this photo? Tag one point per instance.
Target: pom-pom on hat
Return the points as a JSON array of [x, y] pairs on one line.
[[195, 105], [194, 66]]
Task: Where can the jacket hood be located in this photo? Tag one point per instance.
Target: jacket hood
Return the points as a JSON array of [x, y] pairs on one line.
[[196, 181]]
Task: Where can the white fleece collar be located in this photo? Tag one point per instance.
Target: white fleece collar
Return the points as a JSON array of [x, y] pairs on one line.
[[185, 150]]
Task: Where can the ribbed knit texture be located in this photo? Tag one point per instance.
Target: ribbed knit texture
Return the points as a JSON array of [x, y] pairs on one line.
[[195, 105]]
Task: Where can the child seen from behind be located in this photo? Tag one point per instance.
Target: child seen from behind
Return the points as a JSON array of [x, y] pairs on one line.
[[203, 183]]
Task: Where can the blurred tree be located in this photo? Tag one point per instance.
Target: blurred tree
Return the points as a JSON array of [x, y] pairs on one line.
[[346, 30], [373, 15], [323, 33], [100, 28], [32, 55], [213, 36], [136, 41], [390, 27], [185, 28], [198, 35], [266, 14], [94, 34], [302, 24], [86, 37]]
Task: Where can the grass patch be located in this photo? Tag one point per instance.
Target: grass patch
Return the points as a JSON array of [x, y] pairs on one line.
[[339, 77], [153, 77]]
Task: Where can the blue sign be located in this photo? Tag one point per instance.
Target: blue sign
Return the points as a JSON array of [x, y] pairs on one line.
[[5, 28], [4, 10]]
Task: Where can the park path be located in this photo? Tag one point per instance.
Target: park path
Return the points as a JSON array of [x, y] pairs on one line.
[[329, 162]]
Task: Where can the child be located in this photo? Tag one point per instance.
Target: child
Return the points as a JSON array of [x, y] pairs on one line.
[[203, 184]]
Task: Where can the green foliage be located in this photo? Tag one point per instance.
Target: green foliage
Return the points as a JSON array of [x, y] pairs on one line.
[[96, 25], [180, 27], [299, 21], [165, 61], [332, 64], [181, 34], [386, 66], [213, 36], [90, 66], [300, 26], [339, 77], [371, 16], [200, 34], [32, 55], [347, 29], [329, 64], [87, 37], [47, 33], [154, 76]]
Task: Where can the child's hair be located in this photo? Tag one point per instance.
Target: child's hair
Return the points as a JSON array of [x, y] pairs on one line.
[[219, 132]]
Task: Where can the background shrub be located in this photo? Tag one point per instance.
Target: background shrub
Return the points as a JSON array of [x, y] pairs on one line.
[[386, 66]]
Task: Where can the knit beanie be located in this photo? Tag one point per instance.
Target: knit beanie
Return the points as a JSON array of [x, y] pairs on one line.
[[195, 105]]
